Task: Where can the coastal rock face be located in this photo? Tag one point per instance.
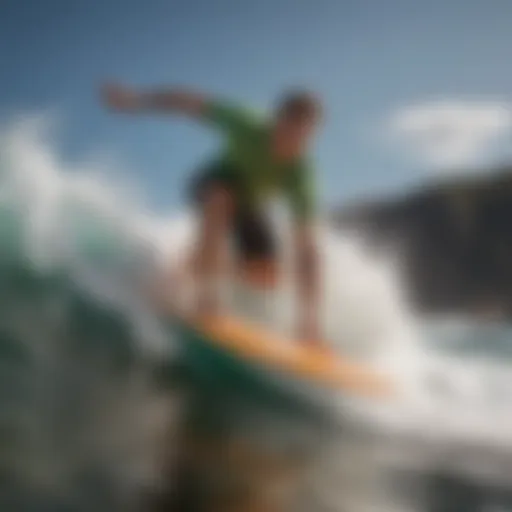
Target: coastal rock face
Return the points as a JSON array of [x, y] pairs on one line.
[[455, 240]]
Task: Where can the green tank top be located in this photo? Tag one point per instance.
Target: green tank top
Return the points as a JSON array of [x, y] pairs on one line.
[[247, 152]]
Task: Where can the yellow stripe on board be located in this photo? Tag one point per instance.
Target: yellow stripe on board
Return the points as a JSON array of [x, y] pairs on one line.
[[321, 365]]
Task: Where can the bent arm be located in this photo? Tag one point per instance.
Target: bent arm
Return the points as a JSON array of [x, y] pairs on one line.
[[302, 195], [307, 268]]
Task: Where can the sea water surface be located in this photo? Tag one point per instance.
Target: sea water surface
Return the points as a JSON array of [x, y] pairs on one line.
[[87, 414]]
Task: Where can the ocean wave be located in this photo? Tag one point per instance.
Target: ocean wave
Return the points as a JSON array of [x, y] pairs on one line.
[[83, 408]]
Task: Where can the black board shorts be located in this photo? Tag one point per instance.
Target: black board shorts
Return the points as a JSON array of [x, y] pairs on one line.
[[252, 234]]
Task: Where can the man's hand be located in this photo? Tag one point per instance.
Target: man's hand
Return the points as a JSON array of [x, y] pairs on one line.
[[118, 97]]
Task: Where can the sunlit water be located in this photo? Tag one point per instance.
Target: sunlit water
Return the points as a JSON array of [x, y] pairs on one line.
[[84, 414]]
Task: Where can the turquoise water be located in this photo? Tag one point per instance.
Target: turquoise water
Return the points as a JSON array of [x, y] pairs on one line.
[[89, 386], [90, 394], [74, 381], [84, 364]]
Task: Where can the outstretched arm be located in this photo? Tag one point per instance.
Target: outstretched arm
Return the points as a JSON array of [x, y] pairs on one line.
[[181, 101]]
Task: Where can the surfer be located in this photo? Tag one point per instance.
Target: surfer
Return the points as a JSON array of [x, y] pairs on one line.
[[261, 157]]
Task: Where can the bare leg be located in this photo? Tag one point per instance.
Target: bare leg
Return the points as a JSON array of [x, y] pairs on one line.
[[261, 274], [208, 259]]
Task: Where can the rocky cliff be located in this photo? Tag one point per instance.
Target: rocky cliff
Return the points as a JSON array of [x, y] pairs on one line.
[[455, 238]]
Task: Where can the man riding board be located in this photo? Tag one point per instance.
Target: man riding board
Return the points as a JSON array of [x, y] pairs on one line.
[[261, 157]]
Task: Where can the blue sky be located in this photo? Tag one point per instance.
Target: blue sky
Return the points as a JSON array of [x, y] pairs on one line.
[[379, 65]]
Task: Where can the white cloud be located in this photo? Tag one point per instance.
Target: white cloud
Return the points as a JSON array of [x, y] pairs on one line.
[[451, 134]]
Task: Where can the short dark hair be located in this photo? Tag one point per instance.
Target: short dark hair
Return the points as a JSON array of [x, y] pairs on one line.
[[300, 103]]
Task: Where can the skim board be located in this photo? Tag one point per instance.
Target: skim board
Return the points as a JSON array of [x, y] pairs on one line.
[[250, 345]]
